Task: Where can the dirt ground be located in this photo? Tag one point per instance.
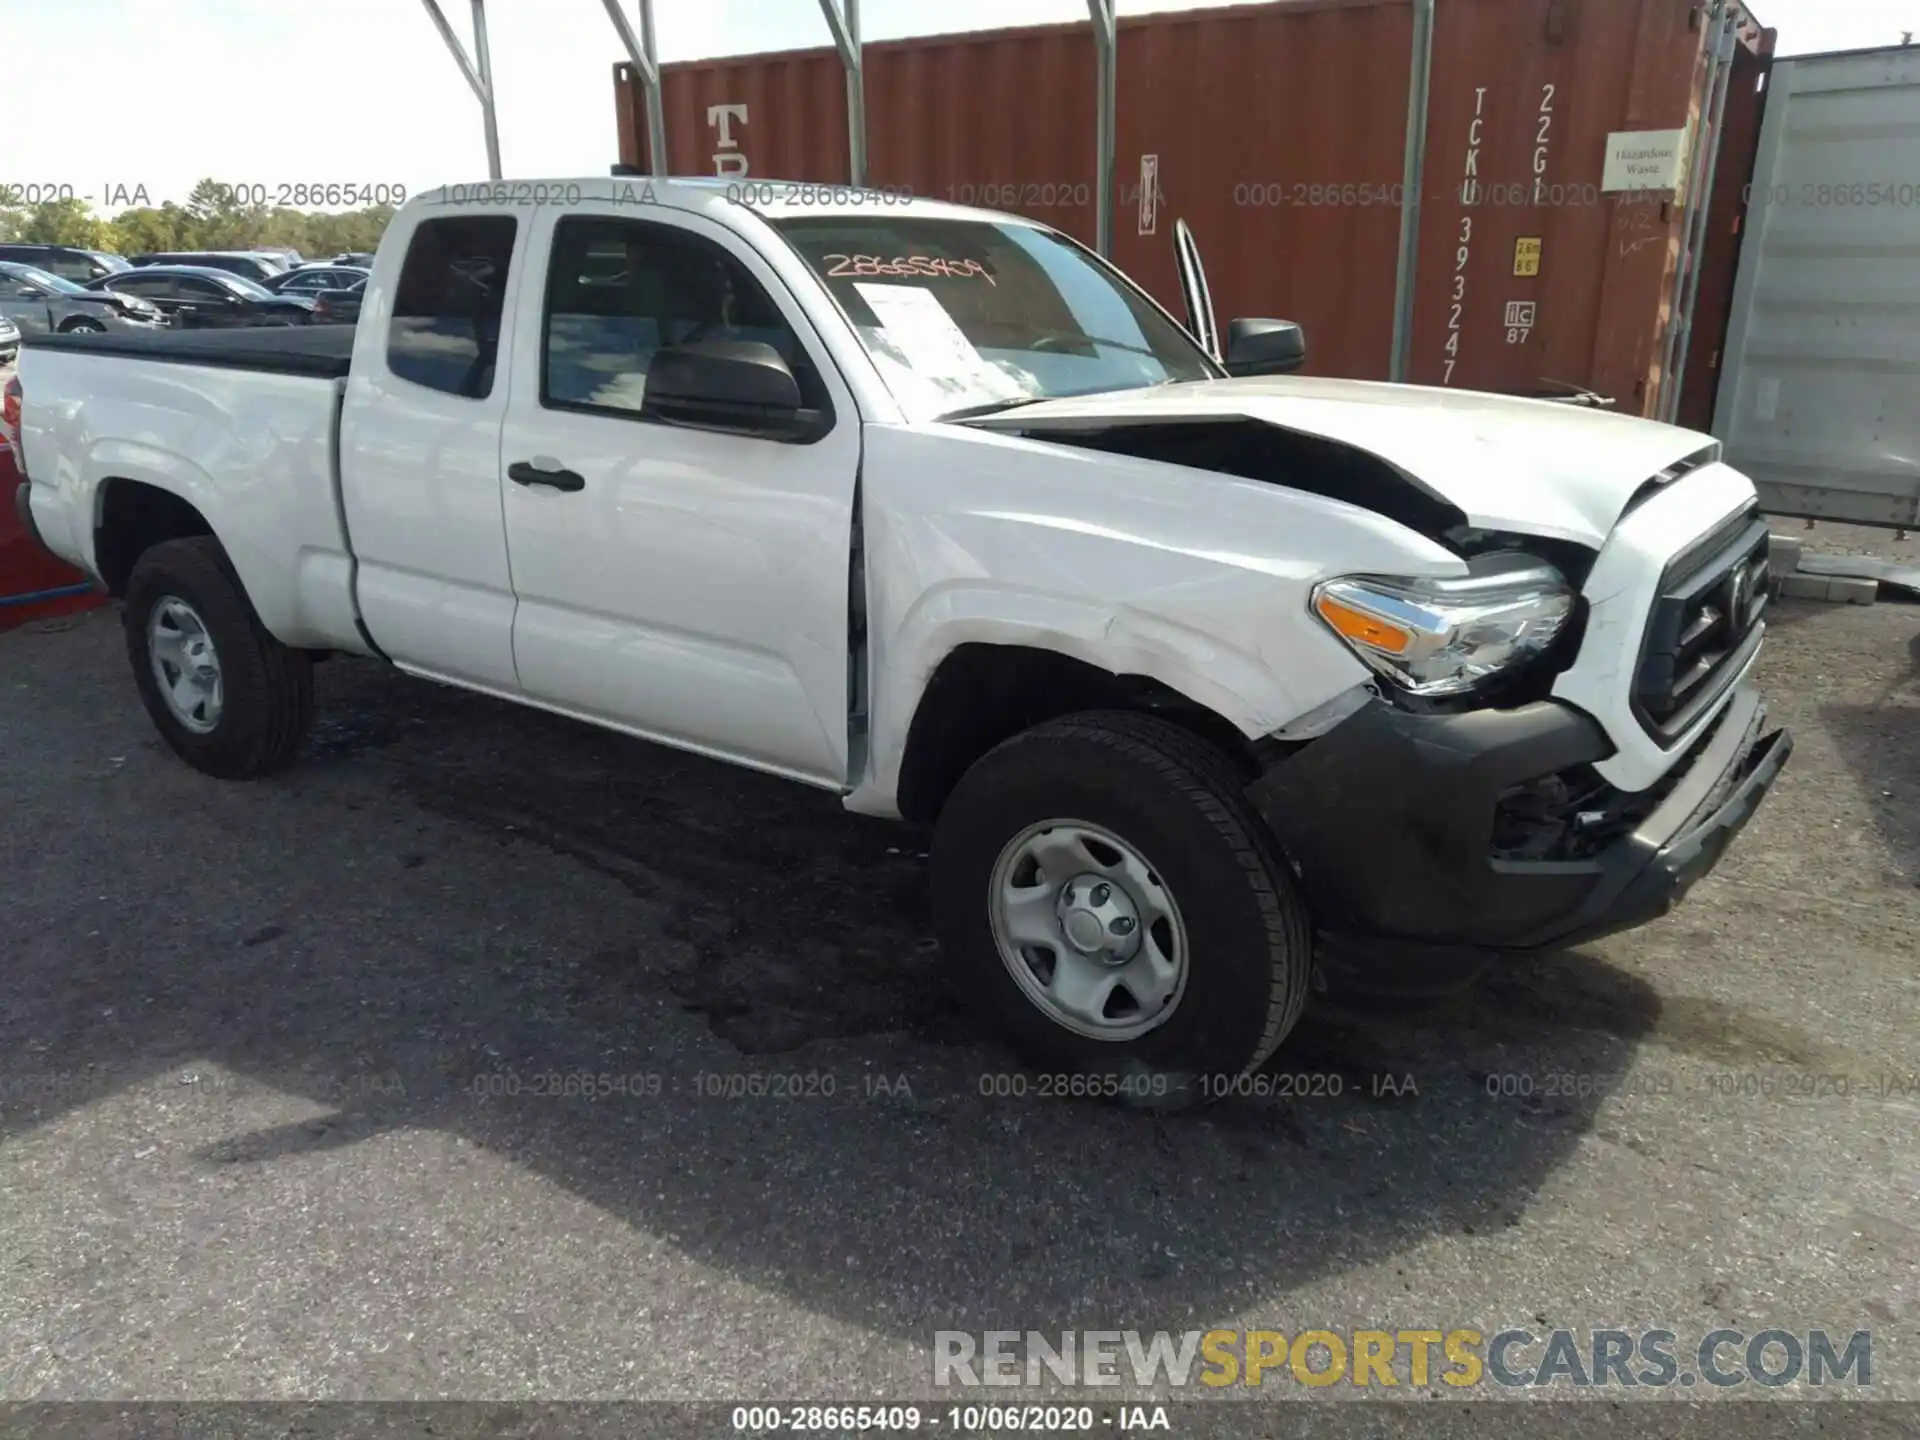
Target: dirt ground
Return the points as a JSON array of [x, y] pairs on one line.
[[269, 1055]]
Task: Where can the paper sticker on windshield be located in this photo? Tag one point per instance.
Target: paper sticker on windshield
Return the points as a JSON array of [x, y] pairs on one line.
[[918, 325]]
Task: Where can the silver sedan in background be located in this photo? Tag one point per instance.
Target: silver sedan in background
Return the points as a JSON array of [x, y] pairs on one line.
[[40, 303]]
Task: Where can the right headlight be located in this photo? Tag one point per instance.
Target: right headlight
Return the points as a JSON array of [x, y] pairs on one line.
[[1438, 638]]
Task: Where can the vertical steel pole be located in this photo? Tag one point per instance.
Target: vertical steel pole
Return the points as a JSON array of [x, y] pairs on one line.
[[1105, 38], [640, 50], [1720, 23], [845, 26], [1412, 178], [1683, 341], [656, 106], [483, 65], [856, 99]]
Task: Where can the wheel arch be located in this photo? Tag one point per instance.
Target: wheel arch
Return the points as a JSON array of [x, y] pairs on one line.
[[130, 517], [983, 693]]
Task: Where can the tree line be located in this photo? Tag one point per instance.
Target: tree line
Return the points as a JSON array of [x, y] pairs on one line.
[[213, 218]]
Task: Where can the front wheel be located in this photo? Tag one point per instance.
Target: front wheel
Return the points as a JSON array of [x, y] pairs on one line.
[[230, 700], [83, 327], [1104, 889]]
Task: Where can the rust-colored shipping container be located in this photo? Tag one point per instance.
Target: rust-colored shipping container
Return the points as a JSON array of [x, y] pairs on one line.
[[1278, 131]]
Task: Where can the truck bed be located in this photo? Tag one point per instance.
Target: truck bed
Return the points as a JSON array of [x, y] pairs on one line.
[[316, 350]]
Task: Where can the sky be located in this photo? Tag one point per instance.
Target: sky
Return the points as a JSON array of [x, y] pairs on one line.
[[137, 99]]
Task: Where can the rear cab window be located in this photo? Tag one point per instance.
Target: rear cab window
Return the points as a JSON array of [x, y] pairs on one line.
[[449, 302]]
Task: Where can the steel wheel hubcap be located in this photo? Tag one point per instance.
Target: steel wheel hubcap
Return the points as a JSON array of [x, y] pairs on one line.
[[186, 664], [1088, 930]]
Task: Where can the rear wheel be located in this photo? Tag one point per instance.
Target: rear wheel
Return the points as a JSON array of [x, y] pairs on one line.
[[225, 695], [1106, 894]]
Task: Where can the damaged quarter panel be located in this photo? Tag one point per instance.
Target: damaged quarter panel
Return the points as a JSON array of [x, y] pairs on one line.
[[1197, 580]]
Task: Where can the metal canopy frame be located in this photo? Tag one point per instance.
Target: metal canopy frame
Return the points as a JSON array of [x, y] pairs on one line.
[[478, 70], [843, 21]]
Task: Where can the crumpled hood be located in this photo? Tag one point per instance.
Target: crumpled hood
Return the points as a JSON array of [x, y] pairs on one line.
[[1535, 467]]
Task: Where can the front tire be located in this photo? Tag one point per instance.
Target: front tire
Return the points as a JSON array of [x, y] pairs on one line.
[[83, 327], [229, 699], [1109, 897]]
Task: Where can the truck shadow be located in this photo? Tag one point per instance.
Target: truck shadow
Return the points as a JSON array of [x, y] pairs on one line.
[[789, 939]]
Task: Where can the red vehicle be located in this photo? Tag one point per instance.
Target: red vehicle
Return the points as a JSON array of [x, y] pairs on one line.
[[33, 585]]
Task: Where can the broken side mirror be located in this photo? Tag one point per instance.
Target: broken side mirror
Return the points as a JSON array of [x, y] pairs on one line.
[[1265, 347]]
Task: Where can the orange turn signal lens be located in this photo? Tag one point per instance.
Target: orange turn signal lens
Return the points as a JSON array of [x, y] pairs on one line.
[[1364, 629]]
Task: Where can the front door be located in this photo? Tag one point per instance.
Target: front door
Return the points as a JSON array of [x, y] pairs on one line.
[[689, 585]]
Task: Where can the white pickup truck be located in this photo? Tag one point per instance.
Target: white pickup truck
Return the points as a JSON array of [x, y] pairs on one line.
[[1210, 678]]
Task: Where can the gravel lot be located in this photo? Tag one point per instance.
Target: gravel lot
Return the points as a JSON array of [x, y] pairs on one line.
[[242, 1028]]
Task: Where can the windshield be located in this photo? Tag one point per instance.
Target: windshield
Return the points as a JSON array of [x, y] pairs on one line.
[[968, 316], [30, 275], [252, 289]]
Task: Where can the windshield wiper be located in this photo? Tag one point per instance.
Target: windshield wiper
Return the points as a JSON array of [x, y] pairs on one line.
[[991, 407]]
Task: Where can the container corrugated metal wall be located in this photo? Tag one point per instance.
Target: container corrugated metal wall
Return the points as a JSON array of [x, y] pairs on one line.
[[1278, 132], [1818, 399]]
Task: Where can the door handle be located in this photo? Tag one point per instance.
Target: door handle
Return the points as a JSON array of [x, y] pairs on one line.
[[521, 473]]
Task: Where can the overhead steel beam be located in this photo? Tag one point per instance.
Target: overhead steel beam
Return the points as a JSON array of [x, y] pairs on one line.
[[1413, 177], [1105, 79], [645, 55], [845, 26], [479, 77]]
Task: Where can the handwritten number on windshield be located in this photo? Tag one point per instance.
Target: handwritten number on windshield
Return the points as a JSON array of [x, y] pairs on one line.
[[937, 267]]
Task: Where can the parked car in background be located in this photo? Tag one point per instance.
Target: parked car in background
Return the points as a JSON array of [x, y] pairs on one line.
[[40, 303], [69, 262], [311, 279], [339, 307], [196, 297], [283, 257], [257, 268], [361, 258], [9, 340]]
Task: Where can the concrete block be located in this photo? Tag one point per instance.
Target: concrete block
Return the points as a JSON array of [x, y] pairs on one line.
[[1783, 553], [1853, 591], [1805, 587]]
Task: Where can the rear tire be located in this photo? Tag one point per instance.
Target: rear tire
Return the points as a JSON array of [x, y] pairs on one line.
[[229, 699], [1159, 816]]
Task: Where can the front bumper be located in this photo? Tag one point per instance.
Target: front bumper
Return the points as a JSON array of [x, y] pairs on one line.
[[1399, 825]]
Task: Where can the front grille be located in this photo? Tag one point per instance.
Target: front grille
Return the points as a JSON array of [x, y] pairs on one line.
[[1704, 626]]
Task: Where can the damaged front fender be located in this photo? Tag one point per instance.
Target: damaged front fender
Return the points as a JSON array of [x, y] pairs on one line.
[[1196, 581]]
